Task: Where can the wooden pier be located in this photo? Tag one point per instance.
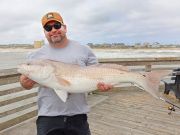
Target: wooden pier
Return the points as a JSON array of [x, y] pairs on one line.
[[122, 111]]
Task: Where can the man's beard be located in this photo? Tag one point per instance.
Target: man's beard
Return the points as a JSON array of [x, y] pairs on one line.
[[56, 40]]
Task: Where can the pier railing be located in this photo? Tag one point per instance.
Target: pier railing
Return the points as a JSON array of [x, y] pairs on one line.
[[18, 104], [165, 62]]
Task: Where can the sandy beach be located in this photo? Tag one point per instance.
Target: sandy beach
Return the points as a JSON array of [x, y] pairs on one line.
[[16, 50]]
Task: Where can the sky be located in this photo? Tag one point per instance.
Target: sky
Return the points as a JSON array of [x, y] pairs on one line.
[[93, 21]]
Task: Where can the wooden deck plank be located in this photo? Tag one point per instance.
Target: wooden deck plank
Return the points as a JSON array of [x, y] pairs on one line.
[[133, 112]]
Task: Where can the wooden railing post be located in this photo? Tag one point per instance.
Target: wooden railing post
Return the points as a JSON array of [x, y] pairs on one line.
[[148, 68]]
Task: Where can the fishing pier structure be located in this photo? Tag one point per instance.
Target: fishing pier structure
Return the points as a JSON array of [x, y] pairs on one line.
[[122, 111]]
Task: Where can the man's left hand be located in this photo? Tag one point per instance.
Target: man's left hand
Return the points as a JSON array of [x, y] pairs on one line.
[[104, 87]]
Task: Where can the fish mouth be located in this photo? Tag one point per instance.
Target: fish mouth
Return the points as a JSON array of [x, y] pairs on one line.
[[19, 68]]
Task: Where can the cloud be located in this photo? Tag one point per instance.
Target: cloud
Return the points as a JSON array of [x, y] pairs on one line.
[[97, 22]]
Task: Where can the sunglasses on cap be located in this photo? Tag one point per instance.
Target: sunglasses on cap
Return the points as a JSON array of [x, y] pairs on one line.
[[56, 26]]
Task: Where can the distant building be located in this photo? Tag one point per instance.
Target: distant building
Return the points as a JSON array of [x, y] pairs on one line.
[[38, 44]]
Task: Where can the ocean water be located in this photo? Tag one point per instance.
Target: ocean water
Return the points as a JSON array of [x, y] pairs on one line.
[[137, 53], [10, 58]]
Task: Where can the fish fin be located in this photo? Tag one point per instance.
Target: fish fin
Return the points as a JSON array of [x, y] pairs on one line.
[[152, 80], [63, 81], [62, 94], [113, 66]]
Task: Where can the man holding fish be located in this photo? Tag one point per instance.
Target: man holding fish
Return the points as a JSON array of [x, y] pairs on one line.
[[53, 113]]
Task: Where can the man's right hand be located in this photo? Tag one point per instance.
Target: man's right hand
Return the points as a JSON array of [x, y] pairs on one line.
[[26, 82]]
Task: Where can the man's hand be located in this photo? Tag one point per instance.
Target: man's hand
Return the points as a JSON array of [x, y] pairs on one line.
[[26, 82], [104, 87]]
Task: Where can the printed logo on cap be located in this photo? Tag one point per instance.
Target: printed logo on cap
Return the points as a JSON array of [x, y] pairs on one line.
[[49, 16]]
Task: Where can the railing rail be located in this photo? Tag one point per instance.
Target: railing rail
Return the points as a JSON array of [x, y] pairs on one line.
[[146, 62]]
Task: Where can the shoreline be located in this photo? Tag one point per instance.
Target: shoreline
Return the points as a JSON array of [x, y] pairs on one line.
[[163, 48], [17, 49], [95, 49]]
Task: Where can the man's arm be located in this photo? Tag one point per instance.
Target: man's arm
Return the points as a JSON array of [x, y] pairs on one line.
[[26, 82]]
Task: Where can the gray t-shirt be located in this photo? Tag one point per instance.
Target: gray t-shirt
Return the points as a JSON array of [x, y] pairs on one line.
[[49, 104]]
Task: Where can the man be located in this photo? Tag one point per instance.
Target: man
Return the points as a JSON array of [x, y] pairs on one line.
[[52, 112]]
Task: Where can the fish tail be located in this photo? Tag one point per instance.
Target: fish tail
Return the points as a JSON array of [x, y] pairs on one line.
[[152, 81]]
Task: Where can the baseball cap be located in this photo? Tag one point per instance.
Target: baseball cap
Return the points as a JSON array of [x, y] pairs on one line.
[[51, 16]]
